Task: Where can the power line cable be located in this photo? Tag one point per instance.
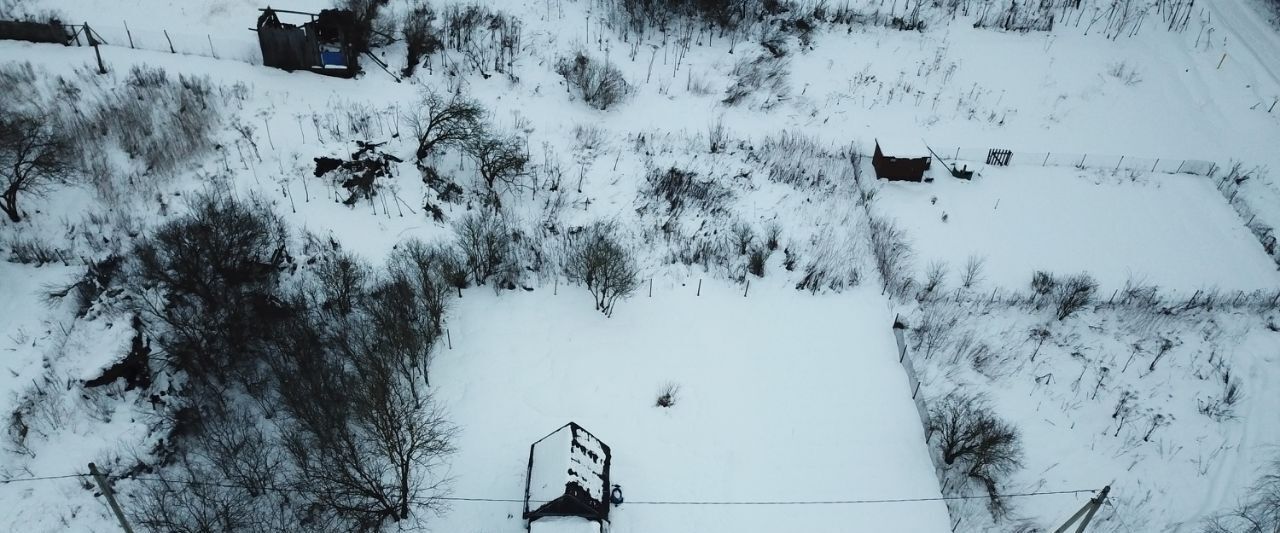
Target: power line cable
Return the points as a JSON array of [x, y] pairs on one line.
[[633, 502]]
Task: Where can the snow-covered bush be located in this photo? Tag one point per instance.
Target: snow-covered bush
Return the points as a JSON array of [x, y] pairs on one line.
[[667, 395], [600, 85], [975, 443], [599, 260]]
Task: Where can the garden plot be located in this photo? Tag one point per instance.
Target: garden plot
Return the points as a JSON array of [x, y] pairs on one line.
[[1171, 230], [782, 396]]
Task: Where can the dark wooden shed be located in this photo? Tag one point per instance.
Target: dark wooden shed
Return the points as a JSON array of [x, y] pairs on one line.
[[321, 44], [907, 162], [568, 476], [37, 32]]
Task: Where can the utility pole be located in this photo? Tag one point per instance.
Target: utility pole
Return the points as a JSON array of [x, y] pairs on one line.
[[1087, 512], [111, 497]]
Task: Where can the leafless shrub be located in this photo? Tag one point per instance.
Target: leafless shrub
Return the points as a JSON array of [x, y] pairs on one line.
[[32, 251], [1043, 285], [716, 136], [1075, 293], [498, 159], [590, 137], [438, 121], [972, 275], [600, 85], [668, 395], [485, 241], [599, 260], [1222, 406], [764, 73], [1258, 513], [972, 440], [33, 157], [678, 189], [932, 332], [755, 262], [742, 236], [1126, 73], [935, 278], [772, 235], [892, 254], [420, 36]]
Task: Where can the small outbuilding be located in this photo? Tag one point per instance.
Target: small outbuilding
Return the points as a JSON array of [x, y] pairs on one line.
[[568, 476], [901, 160], [323, 43]]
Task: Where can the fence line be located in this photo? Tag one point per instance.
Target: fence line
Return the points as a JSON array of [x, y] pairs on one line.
[[243, 48], [978, 156]]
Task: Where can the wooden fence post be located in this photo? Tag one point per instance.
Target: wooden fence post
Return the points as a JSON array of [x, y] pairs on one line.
[[1046, 159], [128, 33], [699, 288], [1153, 165], [166, 37], [88, 34], [1121, 162], [211, 52]]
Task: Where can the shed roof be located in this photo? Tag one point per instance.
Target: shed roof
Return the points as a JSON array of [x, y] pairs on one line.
[[568, 455], [902, 146]]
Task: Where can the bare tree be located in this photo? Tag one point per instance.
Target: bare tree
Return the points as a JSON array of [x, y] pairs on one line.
[[32, 157], [608, 269], [498, 159], [485, 242], [444, 122], [970, 436]]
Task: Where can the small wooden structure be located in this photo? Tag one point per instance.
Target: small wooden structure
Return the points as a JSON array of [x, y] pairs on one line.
[[322, 44], [568, 476], [37, 32], [908, 163], [999, 157]]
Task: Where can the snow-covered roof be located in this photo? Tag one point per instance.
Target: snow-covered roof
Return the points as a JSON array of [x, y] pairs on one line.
[[902, 146], [564, 524], [568, 455]]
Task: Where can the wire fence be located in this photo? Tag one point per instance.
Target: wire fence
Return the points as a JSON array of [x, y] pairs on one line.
[[979, 156], [223, 46]]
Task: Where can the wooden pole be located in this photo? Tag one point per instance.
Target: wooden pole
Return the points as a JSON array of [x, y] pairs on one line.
[[651, 287], [111, 497], [211, 52], [748, 288], [1087, 512], [128, 33], [166, 37], [699, 288], [1224, 58], [88, 34]]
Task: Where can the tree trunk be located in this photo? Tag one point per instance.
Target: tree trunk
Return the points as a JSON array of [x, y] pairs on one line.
[[9, 204]]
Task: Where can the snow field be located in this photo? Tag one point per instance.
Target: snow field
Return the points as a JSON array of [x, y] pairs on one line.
[[777, 401]]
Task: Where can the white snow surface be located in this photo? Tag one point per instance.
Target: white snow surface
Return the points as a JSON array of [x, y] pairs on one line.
[[564, 524], [783, 395]]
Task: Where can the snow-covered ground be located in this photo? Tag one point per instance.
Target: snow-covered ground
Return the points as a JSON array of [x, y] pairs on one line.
[[783, 395], [1170, 230]]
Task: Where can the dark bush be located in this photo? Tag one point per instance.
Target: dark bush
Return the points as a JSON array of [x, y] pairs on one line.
[[1075, 293], [218, 268], [972, 439], [420, 37], [679, 189]]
